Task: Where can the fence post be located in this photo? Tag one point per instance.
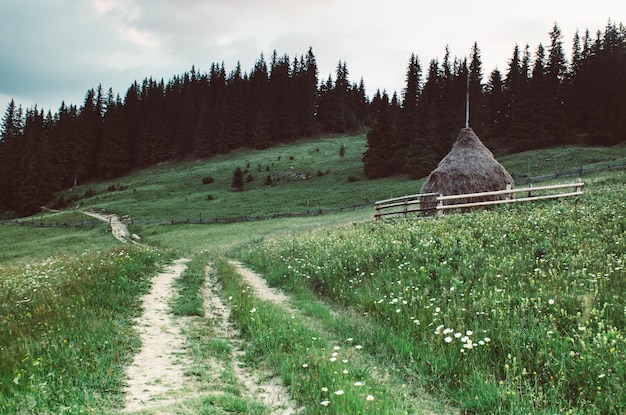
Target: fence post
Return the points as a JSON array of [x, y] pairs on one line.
[[578, 184], [406, 206], [508, 195], [440, 205], [530, 190]]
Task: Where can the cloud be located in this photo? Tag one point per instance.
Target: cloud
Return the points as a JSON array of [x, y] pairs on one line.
[[60, 48]]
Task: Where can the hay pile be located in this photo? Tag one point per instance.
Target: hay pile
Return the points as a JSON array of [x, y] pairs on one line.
[[468, 168]]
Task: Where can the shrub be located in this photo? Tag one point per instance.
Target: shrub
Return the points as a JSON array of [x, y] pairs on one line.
[[210, 197], [90, 192], [352, 179], [207, 180]]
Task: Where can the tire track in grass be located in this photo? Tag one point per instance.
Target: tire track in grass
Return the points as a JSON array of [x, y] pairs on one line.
[[262, 386], [264, 292]]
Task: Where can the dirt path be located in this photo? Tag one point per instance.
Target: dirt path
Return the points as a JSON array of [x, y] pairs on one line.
[[158, 369], [260, 287], [262, 386], [118, 228], [156, 380]]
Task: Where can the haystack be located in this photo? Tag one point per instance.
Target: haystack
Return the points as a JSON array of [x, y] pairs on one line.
[[468, 168]]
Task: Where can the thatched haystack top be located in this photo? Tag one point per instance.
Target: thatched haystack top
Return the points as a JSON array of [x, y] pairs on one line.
[[468, 168]]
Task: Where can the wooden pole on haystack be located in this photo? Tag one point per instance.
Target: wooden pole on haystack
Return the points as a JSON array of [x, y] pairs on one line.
[[467, 103]]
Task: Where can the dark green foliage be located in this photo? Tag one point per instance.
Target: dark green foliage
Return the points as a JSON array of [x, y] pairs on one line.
[[377, 160], [237, 182], [208, 180], [539, 101]]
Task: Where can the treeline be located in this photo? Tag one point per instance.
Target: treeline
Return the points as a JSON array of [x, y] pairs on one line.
[[196, 114], [541, 100]]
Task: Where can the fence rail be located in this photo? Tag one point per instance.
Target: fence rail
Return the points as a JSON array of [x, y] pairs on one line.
[[200, 220], [408, 204], [578, 171], [434, 202]]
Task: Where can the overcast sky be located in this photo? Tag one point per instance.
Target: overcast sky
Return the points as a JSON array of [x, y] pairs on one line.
[[55, 50]]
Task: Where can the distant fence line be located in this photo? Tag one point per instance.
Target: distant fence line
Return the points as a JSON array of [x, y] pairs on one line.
[[578, 171], [200, 220], [519, 179]]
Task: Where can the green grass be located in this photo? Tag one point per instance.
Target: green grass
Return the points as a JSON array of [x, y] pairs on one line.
[[325, 370], [176, 191], [23, 243], [492, 272], [511, 310], [549, 161], [66, 329]]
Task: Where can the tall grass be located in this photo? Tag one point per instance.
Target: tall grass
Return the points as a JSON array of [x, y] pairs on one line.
[[66, 329], [325, 374], [512, 310]]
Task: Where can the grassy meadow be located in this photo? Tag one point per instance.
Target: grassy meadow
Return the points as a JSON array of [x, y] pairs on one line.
[[517, 309], [512, 310]]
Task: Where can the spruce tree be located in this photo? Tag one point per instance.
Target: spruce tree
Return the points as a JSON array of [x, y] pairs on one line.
[[238, 180], [378, 156], [555, 72], [11, 131], [259, 109], [477, 116], [495, 103]]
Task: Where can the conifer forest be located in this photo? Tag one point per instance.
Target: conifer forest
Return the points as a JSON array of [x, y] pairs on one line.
[[541, 99]]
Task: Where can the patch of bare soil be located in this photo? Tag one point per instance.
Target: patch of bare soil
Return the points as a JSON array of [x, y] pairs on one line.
[[262, 386], [260, 287], [156, 379], [118, 228], [158, 369]]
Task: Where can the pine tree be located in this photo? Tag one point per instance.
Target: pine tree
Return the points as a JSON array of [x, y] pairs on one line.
[[259, 110], [477, 116], [11, 131], [408, 121], [555, 72], [495, 103], [306, 95], [115, 157], [84, 160], [32, 189], [377, 158], [537, 133], [238, 180]]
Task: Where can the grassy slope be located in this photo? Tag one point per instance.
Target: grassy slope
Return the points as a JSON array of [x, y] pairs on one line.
[[511, 310], [175, 190]]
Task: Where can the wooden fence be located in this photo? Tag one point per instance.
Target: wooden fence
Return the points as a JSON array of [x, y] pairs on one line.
[[199, 220], [434, 202]]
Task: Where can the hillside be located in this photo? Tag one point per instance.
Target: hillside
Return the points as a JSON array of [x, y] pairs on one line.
[[371, 311], [306, 176]]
